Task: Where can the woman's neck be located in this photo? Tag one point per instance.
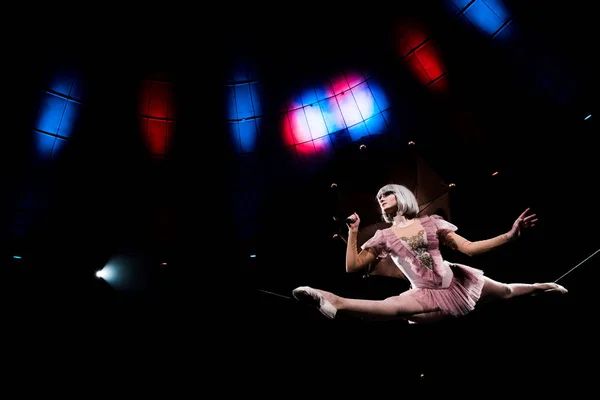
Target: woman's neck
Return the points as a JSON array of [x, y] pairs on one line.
[[402, 222]]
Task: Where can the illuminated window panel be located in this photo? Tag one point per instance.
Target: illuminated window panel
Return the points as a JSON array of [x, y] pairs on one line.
[[244, 109], [375, 123], [425, 64], [492, 18], [422, 55], [487, 16], [315, 122], [332, 115], [410, 36], [47, 146], [324, 90], [158, 134], [245, 135], [56, 121], [349, 107], [380, 101], [338, 111], [306, 152], [157, 116], [358, 131], [58, 114], [440, 84]]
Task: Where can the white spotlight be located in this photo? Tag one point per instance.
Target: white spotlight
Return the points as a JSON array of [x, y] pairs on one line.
[[107, 273]]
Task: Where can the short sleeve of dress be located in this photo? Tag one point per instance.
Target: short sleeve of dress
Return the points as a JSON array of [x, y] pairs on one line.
[[377, 243], [443, 226]]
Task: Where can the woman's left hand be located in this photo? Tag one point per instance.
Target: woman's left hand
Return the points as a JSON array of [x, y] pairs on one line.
[[523, 222]]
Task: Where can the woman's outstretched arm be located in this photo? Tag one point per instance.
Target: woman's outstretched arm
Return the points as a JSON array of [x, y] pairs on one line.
[[469, 248]]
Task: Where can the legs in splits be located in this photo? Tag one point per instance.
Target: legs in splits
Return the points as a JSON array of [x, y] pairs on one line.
[[404, 306]]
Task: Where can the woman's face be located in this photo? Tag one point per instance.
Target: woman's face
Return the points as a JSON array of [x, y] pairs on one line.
[[388, 203]]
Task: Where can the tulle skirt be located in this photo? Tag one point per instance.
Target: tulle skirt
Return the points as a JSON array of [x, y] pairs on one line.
[[456, 300]]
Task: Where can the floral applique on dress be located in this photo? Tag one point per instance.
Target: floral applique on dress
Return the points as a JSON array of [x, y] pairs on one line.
[[418, 245]]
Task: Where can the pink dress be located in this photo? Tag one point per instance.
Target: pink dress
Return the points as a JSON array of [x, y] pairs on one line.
[[438, 285]]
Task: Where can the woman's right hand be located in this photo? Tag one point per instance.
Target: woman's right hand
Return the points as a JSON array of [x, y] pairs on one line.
[[354, 225]]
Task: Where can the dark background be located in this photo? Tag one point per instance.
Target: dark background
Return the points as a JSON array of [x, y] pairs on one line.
[[216, 316]]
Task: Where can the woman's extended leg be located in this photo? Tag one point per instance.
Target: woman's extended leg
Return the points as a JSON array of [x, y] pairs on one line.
[[329, 304], [494, 290]]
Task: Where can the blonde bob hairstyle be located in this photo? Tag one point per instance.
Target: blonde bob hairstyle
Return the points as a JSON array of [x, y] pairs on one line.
[[407, 202]]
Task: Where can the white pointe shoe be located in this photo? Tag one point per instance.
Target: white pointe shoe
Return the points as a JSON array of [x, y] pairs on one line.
[[311, 297], [557, 288]]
